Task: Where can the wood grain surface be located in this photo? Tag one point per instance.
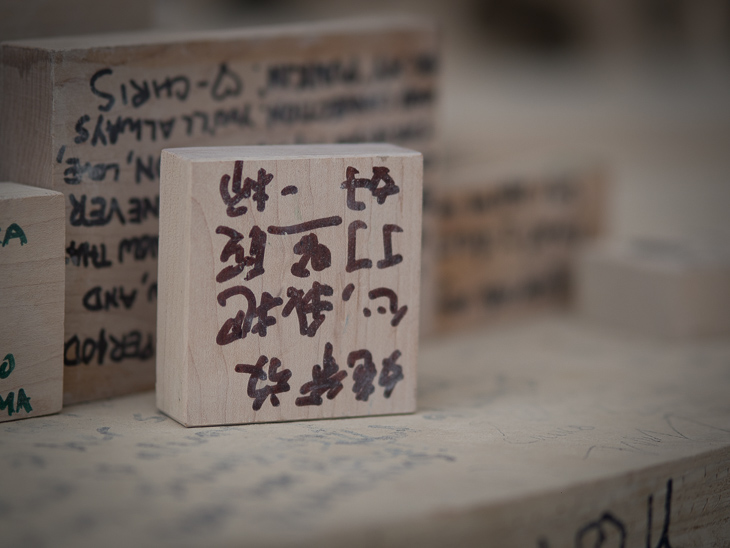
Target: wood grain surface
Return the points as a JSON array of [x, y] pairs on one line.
[[31, 301], [289, 282], [542, 434]]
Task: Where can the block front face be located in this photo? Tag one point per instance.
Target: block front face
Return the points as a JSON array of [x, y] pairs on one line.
[[303, 282], [31, 303], [117, 101]]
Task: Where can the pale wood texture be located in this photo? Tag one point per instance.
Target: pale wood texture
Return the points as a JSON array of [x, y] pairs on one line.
[[505, 236], [660, 288], [524, 437], [88, 116], [353, 256], [31, 301]]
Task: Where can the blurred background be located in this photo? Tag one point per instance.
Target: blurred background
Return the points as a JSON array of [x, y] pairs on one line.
[[640, 88], [642, 85]]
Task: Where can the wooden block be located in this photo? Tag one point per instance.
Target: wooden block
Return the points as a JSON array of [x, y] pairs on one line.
[[656, 288], [504, 237], [297, 264], [89, 117], [31, 301]]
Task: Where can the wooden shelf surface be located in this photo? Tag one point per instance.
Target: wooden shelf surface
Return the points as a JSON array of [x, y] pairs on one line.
[[546, 433]]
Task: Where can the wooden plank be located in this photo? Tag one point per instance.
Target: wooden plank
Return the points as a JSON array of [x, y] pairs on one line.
[[659, 288], [289, 279], [31, 307], [88, 116], [524, 436], [505, 235]]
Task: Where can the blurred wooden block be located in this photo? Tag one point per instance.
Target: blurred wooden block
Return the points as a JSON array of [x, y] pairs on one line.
[[505, 235], [31, 302], [289, 282], [662, 289], [89, 117]]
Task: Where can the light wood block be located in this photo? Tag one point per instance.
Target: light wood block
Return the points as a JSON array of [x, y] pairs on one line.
[[505, 234], [539, 435], [656, 288], [289, 282], [31, 301], [89, 117]]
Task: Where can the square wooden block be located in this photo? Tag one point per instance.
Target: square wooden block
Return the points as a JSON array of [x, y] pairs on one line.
[[31, 303], [288, 282]]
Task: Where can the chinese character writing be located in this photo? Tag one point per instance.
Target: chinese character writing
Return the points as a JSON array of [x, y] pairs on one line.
[[353, 263], [398, 313], [309, 303], [380, 174], [363, 375], [257, 374], [249, 189], [327, 378], [233, 248], [391, 373], [307, 226], [310, 249], [238, 327], [390, 259], [347, 292]]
